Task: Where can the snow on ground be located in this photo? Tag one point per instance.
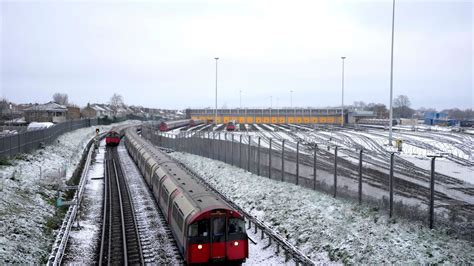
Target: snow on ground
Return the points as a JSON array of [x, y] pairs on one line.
[[262, 254], [27, 197], [84, 240], [328, 229]]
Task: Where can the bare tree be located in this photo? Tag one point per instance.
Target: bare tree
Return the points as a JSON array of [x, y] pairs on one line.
[[116, 101], [401, 107], [61, 98], [379, 109]]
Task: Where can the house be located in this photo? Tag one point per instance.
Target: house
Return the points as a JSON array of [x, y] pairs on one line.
[[48, 112], [88, 112], [102, 110], [73, 113]]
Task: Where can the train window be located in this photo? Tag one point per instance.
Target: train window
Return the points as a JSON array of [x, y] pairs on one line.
[[199, 228], [164, 194], [178, 216], [236, 226], [218, 226]]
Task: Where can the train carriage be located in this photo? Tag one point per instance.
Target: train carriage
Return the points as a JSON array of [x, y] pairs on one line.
[[205, 227]]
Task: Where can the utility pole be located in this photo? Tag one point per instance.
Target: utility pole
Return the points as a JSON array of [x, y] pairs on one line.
[[391, 80], [342, 106], [240, 100], [215, 117]]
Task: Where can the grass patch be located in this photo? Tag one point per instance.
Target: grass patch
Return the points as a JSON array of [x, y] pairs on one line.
[[5, 162]]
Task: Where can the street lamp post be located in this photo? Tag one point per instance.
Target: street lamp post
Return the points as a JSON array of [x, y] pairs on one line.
[[240, 100], [291, 99], [391, 79], [215, 116], [342, 107]]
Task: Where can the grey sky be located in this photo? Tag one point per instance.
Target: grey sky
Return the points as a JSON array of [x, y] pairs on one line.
[[160, 53]]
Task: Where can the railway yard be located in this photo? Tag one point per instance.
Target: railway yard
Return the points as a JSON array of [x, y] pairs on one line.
[[119, 219]]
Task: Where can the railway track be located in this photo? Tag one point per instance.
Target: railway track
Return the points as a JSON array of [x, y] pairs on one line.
[[158, 243], [375, 177], [120, 240]]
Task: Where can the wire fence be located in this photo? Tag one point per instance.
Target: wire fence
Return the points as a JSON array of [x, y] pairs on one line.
[[330, 169], [31, 140]]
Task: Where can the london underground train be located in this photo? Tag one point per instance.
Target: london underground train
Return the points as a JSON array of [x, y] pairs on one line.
[[205, 227], [112, 138]]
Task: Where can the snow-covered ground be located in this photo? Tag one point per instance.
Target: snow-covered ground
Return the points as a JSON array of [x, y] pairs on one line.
[[27, 196], [83, 239], [328, 229]]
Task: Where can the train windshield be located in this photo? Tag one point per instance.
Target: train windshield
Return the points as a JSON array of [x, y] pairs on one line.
[[218, 226], [199, 228], [236, 226]]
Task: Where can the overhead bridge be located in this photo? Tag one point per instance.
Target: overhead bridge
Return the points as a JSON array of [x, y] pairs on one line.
[[270, 116]]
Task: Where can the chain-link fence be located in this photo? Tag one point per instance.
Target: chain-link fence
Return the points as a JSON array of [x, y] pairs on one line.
[[386, 183], [31, 140]]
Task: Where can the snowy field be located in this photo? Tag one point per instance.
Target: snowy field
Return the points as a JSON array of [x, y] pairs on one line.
[[27, 197], [328, 229]]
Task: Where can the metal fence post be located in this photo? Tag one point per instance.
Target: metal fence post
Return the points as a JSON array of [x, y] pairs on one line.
[[270, 160], [314, 165], [209, 153], [248, 153], [232, 150], [258, 157], [360, 176], [240, 152], [219, 148], [225, 148], [213, 143], [392, 158], [297, 162], [432, 189], [282, 160], [335, 171]]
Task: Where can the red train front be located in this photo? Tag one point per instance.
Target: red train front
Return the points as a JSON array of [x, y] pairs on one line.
[[217, 235], [112, 138], [230, 126]]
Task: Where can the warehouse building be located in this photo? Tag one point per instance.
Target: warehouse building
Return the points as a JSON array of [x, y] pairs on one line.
[[270, 116]]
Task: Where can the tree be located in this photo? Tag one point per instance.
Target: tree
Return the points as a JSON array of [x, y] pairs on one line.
[[61, 98], [4, 105], [379, 109], [116, 101], [401, 107], [360, 105]]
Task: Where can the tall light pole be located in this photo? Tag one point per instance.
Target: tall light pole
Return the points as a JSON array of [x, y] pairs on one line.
[[391, 80], [291, 98], [342, 106], [215, 117], [271, 101], [240, 100]]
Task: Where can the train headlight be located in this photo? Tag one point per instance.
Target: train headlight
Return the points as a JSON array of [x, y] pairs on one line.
[[199, 246], [236, 243]]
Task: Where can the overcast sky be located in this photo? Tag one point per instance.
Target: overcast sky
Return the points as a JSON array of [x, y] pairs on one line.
[[161, 53]]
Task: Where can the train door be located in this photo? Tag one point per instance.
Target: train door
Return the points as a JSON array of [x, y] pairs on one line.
[[218, 236]]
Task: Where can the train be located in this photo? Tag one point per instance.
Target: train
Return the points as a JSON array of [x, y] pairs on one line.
[[230, 125], [112, 138], [205, 227], [169, 125], [377, 122]]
